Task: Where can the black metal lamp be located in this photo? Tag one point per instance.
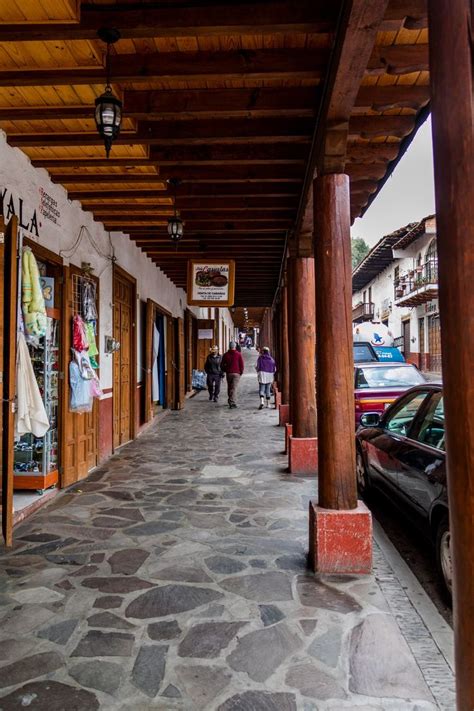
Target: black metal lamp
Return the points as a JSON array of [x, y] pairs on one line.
[[108, 109], [175, 223]]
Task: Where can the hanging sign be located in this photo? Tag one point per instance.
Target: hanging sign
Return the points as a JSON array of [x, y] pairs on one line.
[[211, 283]]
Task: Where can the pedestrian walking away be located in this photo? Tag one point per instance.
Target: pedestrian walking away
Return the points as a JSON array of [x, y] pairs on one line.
[[265, 368], [212, 366], [233, 366]]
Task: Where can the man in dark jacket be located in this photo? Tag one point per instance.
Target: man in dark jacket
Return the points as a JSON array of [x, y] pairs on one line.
[[233, 366], [212, 366]]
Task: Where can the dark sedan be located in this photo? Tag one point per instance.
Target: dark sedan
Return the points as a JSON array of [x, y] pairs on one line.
[[402, 453]]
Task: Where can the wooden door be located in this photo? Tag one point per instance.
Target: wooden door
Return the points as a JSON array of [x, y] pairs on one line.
[[171, 366], [149, 323], [434, 343], [406, 338], [124, 380], [180, 359], [188, 328], [204, 344], [9, 311], [79, 431]]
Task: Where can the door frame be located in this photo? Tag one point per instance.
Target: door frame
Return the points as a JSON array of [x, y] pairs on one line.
[[125, 276], [152, 309], [9, 259]]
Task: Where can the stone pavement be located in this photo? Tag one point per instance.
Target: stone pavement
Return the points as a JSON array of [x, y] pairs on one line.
[[175, 577]]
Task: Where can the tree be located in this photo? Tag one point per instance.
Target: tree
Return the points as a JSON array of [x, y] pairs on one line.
[[359, 249]]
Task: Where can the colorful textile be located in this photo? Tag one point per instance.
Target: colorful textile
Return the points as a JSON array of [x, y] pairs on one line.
[[90, 336], [88, 297], [79, 337], [32, 300]]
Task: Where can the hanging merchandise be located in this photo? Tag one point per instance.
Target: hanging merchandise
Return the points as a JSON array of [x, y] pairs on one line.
[[32, 300], [80, 399], [88, 298], [93, 351], [31, 414], [79, 337]]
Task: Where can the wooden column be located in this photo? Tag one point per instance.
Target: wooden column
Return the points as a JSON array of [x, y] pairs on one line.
[[451, 28], [285, 348], [334, 364], [302, 317]]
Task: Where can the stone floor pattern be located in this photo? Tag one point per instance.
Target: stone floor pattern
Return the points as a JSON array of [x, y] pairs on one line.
[[175, 577]]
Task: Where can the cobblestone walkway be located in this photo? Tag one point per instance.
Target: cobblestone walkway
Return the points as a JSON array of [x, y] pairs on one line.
[[175, 578]]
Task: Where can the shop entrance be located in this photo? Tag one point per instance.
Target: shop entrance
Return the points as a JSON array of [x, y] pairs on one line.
[[124, 396], [80, 429], [434, 343]]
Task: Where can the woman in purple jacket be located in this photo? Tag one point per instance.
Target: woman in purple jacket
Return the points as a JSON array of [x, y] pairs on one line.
[[265, 368]]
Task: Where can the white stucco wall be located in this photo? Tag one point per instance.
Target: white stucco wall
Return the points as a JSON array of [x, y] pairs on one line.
[[382, 291], [23, 182]]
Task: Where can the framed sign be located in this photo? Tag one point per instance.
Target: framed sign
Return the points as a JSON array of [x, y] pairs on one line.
[[211, 283]]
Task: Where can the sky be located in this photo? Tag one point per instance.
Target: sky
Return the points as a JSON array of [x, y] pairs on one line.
[[407, 196]]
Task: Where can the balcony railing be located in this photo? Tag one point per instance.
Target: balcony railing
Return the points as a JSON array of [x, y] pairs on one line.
[[418, 285], [363, 311]]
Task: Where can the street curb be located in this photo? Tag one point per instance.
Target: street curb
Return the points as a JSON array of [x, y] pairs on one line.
[[440, 631]]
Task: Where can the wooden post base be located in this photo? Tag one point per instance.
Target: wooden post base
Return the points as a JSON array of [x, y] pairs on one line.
[[340, 541], [284, 414], [303, 455], [288, 433]]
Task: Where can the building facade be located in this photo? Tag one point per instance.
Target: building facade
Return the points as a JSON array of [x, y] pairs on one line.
[[147, 340], [397, 283]]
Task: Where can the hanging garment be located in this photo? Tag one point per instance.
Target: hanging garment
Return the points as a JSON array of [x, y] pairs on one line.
[[32, 300], [155, 381], [90, 336], [30, 413], [79, 338], [88, 298], [80, 390]]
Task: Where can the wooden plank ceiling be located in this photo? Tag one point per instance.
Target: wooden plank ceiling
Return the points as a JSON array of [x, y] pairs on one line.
[[224, 96]]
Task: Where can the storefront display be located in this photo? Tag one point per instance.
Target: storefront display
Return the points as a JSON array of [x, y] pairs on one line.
[[36, 459]]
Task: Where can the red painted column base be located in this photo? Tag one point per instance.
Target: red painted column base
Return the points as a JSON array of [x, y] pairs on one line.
[[288, 433], [284, 414], [340, 541], [303, 455]]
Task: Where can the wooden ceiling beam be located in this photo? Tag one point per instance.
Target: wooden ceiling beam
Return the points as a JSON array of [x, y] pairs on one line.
[[165, 154], [228, 131], [218, 226], [371, 152], [231, 103], [181, 66], [208, 217], [203, 66], [196, 190], [198, 204], [137, 21], [396, 96], [189, 173]]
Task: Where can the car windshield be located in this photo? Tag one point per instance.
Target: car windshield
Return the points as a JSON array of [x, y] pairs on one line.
[[388, 377]]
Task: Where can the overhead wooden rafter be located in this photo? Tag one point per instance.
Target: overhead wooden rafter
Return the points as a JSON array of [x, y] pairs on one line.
[[226, 97]]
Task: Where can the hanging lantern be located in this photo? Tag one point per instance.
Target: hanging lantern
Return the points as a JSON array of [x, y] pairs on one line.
[[108, 109], [175, 223]]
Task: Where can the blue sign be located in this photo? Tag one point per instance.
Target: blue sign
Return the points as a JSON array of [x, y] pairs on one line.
[[388, 355]]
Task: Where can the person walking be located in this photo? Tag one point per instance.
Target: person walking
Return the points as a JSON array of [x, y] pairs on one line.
[[212, 366], [233, 366], [265, 368]]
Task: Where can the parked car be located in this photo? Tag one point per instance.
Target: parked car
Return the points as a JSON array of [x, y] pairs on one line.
[[377, 385], [365, 352], [402, 453]]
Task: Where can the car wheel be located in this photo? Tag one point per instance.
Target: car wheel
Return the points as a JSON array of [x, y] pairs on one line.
[[443, 555], [361, 472]]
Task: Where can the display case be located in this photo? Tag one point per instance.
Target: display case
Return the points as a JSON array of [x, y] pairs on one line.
[[36, 463]]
